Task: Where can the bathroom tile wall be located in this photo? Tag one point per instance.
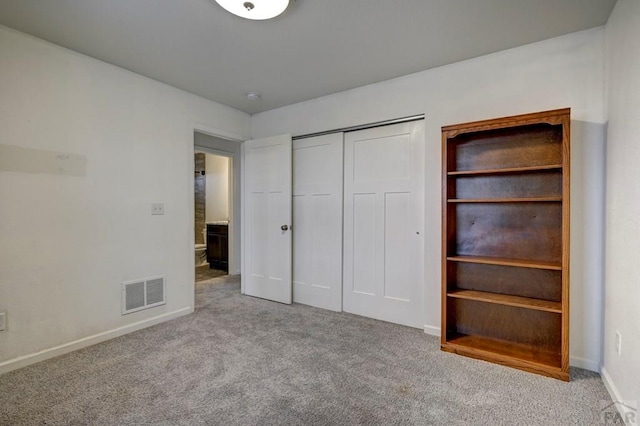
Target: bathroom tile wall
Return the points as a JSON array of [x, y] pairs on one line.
[[199, 197]]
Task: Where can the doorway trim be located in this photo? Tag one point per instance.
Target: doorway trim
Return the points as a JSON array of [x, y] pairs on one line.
[[235, 230]]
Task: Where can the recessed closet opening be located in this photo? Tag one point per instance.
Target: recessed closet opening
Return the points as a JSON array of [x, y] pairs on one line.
[[335, 220]]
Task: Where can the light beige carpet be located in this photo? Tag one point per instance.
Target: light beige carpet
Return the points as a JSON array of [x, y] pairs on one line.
[[244, 361]]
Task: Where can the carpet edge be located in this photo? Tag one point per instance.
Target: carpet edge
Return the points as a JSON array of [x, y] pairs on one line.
[[25, 360]]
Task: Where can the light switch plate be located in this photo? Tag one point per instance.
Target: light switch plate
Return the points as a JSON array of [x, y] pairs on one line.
[[157, 208], [3, 320]]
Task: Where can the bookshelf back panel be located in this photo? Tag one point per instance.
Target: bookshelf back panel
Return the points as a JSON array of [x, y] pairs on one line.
[[521, 146], [512, 230], [538, 184], [525, 282], [541, 330]]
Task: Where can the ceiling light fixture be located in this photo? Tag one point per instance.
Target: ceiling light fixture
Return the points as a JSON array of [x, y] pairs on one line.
[[253, 96], [255, 9]]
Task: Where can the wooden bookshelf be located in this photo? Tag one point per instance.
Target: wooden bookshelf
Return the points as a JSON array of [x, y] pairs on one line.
[[508, 300], [521, 356], [505, 265], [507, 200], [522, 263], [506, 170]]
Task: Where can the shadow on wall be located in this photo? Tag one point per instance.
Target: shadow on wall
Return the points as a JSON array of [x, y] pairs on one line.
[[587, 239]]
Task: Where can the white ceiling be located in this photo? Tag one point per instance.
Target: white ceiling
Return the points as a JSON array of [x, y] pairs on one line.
[[316, 48]]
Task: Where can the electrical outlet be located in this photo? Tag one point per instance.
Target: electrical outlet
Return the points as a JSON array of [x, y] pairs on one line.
[[3, 321], [157, 209], [618, 342]]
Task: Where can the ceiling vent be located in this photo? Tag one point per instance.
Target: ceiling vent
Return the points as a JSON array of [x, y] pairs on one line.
[[143, 294]]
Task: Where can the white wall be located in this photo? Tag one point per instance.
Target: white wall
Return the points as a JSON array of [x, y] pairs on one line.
[[622, 269], [557, 73], [217, 188], [69, 237]]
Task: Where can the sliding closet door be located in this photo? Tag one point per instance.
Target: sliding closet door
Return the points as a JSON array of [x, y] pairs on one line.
[[317, 221], [383, 220]]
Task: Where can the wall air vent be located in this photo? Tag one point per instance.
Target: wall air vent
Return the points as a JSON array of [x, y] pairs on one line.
[[143, 294]]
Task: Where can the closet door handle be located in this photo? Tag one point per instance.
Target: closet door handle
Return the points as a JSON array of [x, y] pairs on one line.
[[284, 227]]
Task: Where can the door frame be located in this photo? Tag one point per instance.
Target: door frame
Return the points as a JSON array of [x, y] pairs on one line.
[[235, 225]]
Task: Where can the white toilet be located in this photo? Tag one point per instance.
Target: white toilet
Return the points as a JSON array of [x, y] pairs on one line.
[[201, 251]]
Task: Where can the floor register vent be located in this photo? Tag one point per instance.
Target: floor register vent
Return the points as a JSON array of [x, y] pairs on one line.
[[143, 294]]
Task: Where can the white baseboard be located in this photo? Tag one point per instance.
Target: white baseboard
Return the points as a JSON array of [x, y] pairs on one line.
[[23, 361], [431, 330], [626, 413], [587, 364], [608, 383]]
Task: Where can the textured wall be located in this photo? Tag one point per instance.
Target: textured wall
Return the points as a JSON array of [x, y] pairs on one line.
[[200, 197]]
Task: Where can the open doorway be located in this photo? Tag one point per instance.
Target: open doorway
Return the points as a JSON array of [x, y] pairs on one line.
[[212, 213], [216, 206]]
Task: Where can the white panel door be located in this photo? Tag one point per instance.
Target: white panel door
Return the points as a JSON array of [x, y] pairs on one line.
[[383, 220], [266, 270], [317, 221]]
